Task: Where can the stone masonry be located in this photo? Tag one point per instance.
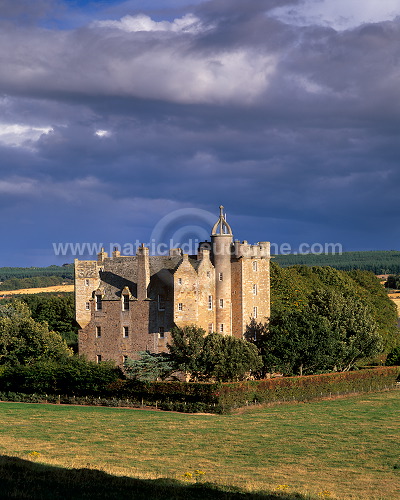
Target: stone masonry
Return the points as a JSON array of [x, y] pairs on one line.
[[126, 304]]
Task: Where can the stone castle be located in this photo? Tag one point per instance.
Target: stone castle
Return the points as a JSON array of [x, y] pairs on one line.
[[126, 304]]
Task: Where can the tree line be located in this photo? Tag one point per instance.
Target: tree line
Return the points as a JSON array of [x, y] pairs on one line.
[[66, 271], [378, 261]]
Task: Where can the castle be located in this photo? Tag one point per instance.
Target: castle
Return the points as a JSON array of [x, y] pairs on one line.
[[126, 304]]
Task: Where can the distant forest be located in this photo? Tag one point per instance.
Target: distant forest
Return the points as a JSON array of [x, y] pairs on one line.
[[378, 261], [15, 278]]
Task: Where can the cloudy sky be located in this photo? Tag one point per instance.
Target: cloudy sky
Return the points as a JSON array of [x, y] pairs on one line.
[[126, 120]]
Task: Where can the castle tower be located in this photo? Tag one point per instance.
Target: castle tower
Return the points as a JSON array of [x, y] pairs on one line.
[[221, 245]]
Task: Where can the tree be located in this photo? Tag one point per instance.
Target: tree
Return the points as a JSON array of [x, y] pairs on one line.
[[227, 358], [23, 340], [330, 333], [393, 358], [150, 366], [213, 356], [296, 343], [186, 350], [393, 281], [58, 312], [352, 324]]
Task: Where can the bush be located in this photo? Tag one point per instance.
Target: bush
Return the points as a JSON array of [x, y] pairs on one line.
[[73, 376], [393, 358]]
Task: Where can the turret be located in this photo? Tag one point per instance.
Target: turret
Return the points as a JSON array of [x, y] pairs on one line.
[[143, 274], [221, 245]]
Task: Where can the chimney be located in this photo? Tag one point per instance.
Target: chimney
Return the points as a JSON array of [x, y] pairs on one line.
[[101, 256], [143, 274]]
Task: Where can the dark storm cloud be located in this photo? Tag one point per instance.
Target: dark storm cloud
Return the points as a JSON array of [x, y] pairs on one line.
[[25, 10], [107, 127]]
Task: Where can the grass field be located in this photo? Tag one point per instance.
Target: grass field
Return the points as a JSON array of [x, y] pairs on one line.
[[344, 448]]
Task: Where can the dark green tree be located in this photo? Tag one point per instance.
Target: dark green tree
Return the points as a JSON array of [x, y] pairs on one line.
[[393, 358], [297, 343], [214, 356], [332, 332], [150, 367], [353, 327]]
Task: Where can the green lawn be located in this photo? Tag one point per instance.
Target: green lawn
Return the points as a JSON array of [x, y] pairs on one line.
[[344, 448]]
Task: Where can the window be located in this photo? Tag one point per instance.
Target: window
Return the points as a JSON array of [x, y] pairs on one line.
[[210, 302], [210, 327], [180, 306], [98, 303], [221, 328], [221, 303], [87, 282], [179, 281], [125, 331], [220, 276], [208, 274], [255, 289], [254, 312], [161, 303], [98, 358], [125, 302], [255, 266], [98, 331], [124, 359], [87, 306], [161, 332]]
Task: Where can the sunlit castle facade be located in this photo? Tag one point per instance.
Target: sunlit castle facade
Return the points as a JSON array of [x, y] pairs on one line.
[[126, 304]]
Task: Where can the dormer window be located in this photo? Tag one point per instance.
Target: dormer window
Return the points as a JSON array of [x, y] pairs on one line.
[[125, 302], [99, 304], [161, 303]]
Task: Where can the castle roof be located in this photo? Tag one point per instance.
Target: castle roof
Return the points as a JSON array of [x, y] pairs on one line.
[[121, 272]]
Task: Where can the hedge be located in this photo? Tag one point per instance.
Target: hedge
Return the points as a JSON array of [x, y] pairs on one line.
[[223, 397], [306, 388]]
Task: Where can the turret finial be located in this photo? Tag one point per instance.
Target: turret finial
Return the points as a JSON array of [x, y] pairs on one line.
[[221, 226]]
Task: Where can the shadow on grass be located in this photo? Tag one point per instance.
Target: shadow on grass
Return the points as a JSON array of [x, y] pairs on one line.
[[23, 479]]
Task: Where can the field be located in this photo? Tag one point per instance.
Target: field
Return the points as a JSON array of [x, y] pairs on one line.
[[395, 296], [344, 448], [47, 289]]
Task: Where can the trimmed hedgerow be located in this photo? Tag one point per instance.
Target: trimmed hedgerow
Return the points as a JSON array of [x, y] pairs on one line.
[[306, 388], [223, 397]]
